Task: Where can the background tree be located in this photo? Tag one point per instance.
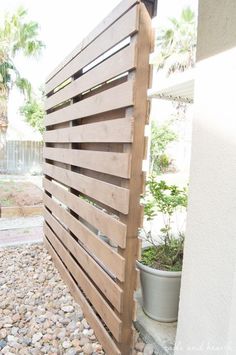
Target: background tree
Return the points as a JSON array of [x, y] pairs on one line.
[[162, 136], [33, 112], [17, 36], [175, 52], [176, 43]]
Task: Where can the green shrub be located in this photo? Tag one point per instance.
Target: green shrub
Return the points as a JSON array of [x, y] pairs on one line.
[[165, 199], [161, 137]]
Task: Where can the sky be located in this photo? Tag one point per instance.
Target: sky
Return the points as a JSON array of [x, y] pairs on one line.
[[63, 25]]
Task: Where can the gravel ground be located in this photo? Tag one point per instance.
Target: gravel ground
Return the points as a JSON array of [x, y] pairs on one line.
[[37, 312]]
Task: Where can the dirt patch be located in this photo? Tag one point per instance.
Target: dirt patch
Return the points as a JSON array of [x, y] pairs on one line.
[[19, 193]]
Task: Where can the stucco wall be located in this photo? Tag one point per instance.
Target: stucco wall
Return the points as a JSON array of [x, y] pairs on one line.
[[207, 316]]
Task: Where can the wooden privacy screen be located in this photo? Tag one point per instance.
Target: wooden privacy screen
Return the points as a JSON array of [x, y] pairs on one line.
[[96, 113]]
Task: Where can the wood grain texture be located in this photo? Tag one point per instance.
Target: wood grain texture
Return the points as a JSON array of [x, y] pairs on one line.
[[110, 195], [99, 219], [118, 11], [136, 183], [90, 291], [107, 257], [111, 99], [117, 164], [123, 28], [108, 69], [103, 281], [112, 131], [101, 333]]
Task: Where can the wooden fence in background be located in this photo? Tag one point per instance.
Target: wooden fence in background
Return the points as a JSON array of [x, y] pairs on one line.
[[22, 157], [96, 111]]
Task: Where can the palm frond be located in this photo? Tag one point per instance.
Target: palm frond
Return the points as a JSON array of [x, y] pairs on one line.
[[24, 86], [176, 43], [20, 34], [188, 15], [6, 69], [17, 35]]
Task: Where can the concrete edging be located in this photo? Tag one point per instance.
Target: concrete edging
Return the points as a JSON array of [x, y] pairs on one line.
[[24, 211]]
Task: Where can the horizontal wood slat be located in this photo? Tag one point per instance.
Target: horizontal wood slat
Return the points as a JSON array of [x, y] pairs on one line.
[[109, 226], [90, 315], [109, 69], [105, 254], [103, 281], [117, 164], [118, 11], [123, 28], [111, 99], [111, 131], [101, 306], [110, 195]]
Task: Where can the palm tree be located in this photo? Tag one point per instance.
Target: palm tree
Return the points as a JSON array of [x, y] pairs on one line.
[[176, 43], [175, 52], [17, 36]]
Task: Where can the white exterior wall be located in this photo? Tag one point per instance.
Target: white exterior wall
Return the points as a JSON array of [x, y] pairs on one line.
[[207, 315]]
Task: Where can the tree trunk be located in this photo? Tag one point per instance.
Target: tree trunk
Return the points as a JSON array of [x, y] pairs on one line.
[[4, 94]]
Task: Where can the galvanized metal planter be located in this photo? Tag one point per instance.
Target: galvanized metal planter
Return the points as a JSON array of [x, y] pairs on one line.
[[160, 293]]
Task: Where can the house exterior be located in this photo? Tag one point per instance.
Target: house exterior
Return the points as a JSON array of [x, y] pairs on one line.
[[207, 314]]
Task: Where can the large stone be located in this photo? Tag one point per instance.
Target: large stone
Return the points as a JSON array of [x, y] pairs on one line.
[[85, 324], [148, 349], [3, 343], [66, 344], [67, 309], [139, 346], [36, 337], [3, 333], [72, 351], [83, 341], [14, 330], [76, 343], [88, 348], [11, 338]]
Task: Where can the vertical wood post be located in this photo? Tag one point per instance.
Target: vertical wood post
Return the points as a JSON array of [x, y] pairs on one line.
[[142, 79]]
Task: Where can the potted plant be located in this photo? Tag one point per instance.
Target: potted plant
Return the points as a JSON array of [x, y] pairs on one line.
[[161, 261]]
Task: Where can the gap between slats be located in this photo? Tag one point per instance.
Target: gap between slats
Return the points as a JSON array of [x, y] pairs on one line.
[[107, 224], [124, 27], [118, 11], [111, 261], [119, 130], [111, 99], [103, 309], [117, 164], [103, 281], [119, 63], [101, 333]]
